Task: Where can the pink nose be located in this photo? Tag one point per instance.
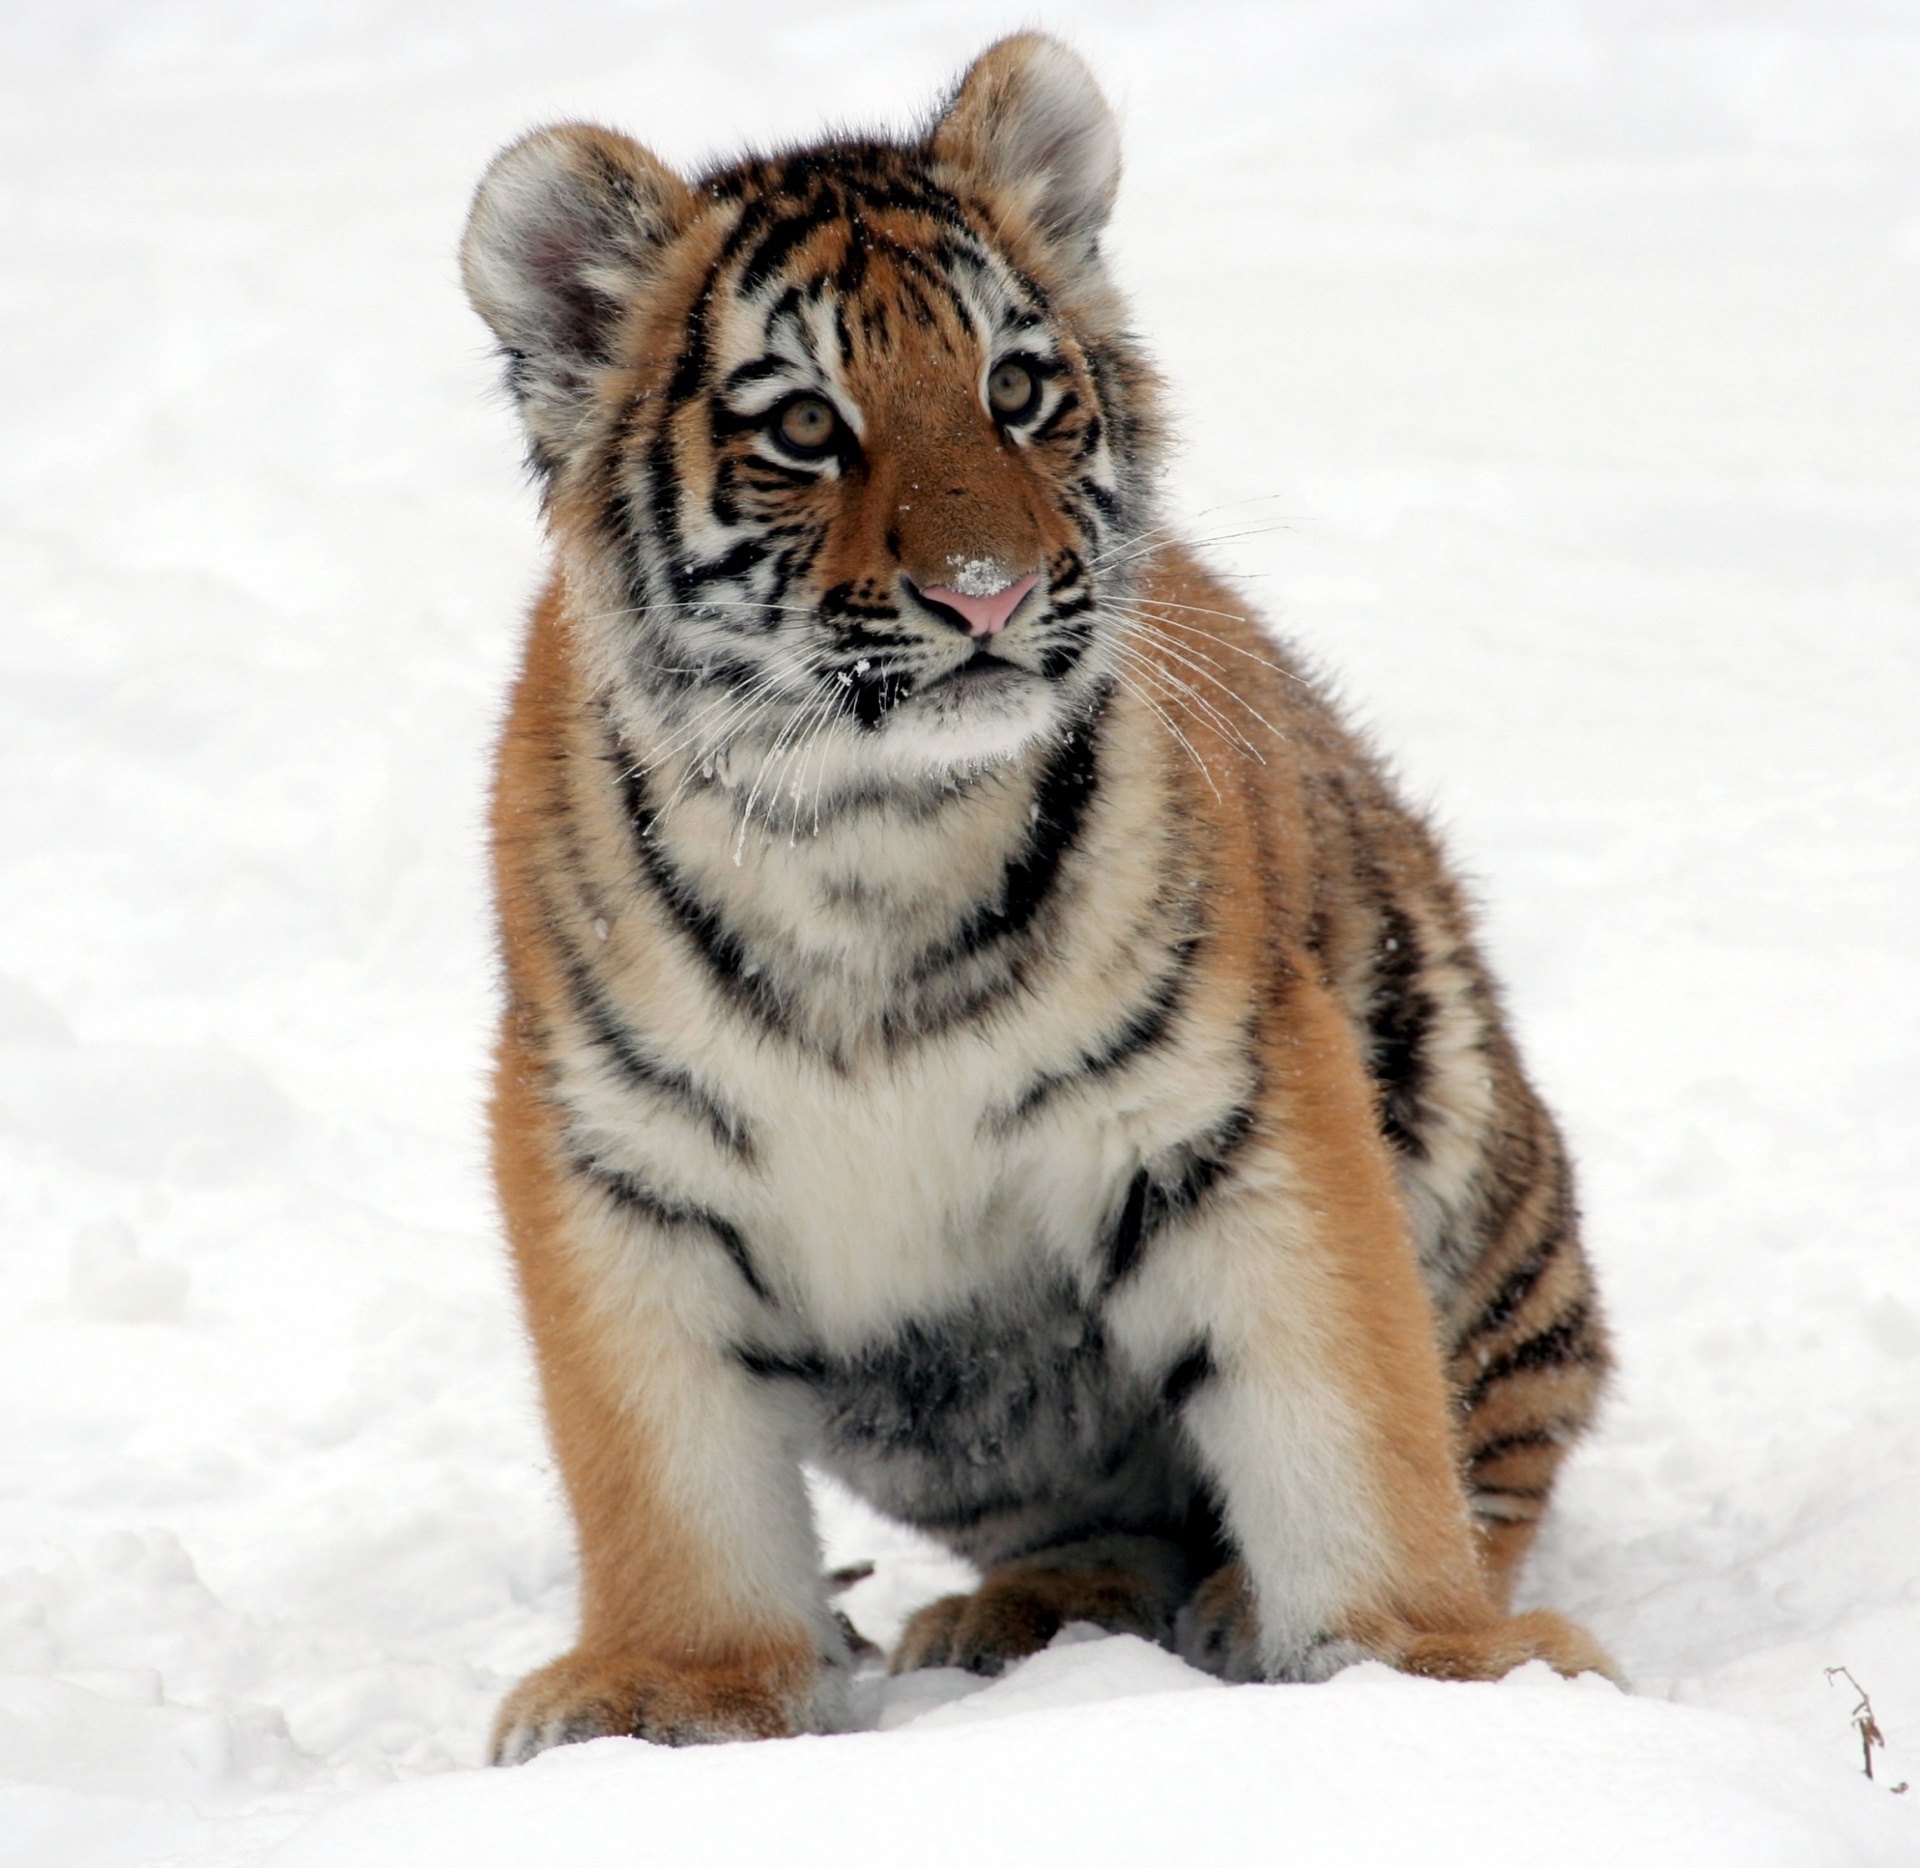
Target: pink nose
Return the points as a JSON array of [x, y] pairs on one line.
[[986, 616]]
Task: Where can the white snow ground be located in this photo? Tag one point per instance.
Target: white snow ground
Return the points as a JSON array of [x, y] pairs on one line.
[[1556, 370]]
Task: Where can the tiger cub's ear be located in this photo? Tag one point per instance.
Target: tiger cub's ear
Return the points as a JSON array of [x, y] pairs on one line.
[[567, 223], [1028, 124]]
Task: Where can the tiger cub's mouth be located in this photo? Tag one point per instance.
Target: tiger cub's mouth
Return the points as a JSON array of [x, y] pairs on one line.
[[982, 673], [1000, 664], [987, 706]]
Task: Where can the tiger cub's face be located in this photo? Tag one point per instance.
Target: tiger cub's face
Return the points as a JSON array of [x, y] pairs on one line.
[[894, 476], [846, 446]]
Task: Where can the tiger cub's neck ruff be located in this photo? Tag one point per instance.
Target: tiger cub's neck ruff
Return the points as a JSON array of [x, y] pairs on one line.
[[975, 1019]]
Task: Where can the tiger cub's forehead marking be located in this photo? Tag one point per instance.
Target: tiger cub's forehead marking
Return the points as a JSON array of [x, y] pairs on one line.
[[837, 272]]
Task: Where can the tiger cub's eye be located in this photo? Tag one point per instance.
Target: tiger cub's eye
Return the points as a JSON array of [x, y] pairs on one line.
[[1012, 391], [806, 424]]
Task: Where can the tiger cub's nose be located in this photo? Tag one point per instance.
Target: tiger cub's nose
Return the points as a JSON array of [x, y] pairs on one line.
[[985, 613]]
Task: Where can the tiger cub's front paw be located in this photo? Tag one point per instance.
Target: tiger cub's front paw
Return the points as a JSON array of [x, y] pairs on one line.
[[773, 1692], [1219, 1632]]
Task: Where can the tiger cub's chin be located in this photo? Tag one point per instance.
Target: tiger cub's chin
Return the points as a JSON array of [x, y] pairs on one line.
[[976, 1018], [991, 719]]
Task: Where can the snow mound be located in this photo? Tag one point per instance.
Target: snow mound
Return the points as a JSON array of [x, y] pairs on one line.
[[1092, 1755]]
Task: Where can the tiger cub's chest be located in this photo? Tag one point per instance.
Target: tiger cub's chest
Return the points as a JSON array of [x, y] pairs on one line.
[[906, 1193], [901, 1098]]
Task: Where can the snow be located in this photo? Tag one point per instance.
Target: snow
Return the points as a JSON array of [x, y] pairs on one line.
[[1549, 371], [1148, 1776]]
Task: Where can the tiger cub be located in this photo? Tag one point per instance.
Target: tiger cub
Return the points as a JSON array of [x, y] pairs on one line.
[[976, 1020]]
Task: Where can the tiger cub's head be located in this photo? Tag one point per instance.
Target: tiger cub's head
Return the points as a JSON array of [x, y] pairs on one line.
[[843, 448]]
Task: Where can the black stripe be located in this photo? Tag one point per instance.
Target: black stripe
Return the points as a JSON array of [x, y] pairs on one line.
[[778, 1365], [631, 1192], [1566, 1344], [934, 283], [780, 240], [605, 1030], [1528, 1440], [1515, 1169], [617, 1042], [1154, 1201], [1060, 803], [690, 367], [1060, 659], [1502, 1306], [1123, 1247], [734, 562], [719, 948], [1399, 1016], [609, 497], [847, 277], [1063, 652], [871, 696], [664, 504], [1146, 1024], [1186, 1375], [1067, 404], [1207, 1164], [747, 374]]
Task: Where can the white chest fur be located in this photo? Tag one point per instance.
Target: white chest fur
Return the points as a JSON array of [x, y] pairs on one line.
[[896, 1194]]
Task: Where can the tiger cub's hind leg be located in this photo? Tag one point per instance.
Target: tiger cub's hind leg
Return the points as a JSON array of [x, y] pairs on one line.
[[1529, 1357], [1121, 1582]]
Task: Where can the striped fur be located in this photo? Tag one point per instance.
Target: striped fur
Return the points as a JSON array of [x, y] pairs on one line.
[[1033, 1068]]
